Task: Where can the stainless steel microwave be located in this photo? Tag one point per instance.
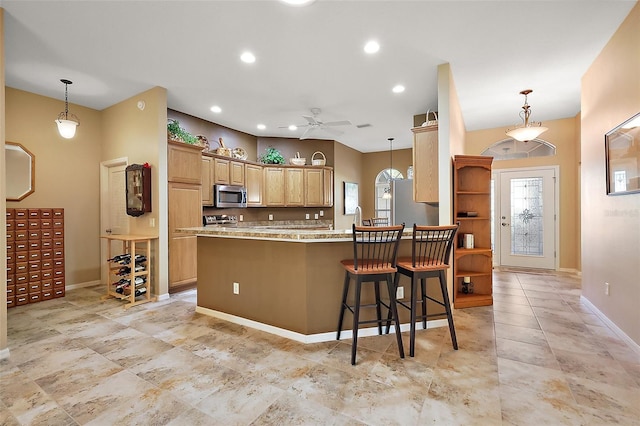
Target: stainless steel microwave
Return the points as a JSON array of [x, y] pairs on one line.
[[229, 196]]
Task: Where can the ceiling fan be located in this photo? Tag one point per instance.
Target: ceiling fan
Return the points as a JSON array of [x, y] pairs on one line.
[[315, 125]]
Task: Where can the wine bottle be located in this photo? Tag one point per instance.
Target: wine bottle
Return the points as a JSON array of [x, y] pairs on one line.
[[119, 257], [139, 259]]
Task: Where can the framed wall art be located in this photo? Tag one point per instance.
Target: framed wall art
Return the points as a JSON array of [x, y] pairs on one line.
[[622, 153], [350, 197]]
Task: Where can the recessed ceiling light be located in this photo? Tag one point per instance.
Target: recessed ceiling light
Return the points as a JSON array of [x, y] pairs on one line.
[[293, 127], [298, 2], [399, 88], [371, 47], [216, 109], [261, 126], [248, 57]]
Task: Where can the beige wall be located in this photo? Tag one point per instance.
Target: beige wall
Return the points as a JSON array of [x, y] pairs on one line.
[[611, 224], [348, 164], [140, 136], [67, 174], [4, 351], [451, 140], [562, 134]]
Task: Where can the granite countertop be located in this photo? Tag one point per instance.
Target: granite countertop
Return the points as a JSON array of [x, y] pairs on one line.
[[298, 232]]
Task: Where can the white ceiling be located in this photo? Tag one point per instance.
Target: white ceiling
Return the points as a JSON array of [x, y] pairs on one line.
[[313, 57]]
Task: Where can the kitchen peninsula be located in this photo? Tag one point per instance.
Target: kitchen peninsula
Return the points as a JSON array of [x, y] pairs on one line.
[[289, 280]]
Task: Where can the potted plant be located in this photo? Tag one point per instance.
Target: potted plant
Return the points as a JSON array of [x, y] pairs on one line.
[[177, 133], [272, 156]]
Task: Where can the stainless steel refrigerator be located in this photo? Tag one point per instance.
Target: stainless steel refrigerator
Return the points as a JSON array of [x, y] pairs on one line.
[[405, 210]]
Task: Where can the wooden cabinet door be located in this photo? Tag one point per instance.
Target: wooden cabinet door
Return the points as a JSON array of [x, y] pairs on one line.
[[425, 164], [236, 173], [185, 211], [274, 186], [184, 163], [294, 187], [220, 171], [207, 181], [253, 183], [328, 187], [314, 187]]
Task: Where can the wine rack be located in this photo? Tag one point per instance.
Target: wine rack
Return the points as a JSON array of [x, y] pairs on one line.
[[129, 268]]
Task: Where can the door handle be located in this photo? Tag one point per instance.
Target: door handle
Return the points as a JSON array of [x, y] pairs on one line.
[[504, 224]]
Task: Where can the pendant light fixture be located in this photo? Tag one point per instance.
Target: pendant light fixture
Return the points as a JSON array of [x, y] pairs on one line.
[[66, 121], [387, 191], [528, 130]]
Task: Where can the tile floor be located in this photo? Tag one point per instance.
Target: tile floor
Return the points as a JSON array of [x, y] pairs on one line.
[[537, 356]]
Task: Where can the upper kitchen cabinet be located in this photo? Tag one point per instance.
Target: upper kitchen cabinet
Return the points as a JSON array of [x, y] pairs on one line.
[[254, 182], [207, 181], [274, 186], [184, 163], [294, 187], [318, 184], [228, 172], [425, 164]]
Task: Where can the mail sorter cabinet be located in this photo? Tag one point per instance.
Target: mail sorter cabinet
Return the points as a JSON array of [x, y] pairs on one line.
[[35, 255]]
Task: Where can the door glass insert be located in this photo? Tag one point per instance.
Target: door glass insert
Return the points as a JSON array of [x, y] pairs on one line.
[[526, 217]]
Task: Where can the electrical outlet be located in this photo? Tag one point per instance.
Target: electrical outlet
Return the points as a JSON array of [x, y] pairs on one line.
[[316, 216], [606, 289], [270, 217], [241, 218], [321, 213], [400, 293], [306, 216], [236, 288], [152, 222]]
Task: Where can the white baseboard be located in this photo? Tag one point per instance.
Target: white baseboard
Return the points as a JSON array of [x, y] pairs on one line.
[[81, 285], [621, 334], [162, 297], [307, 338], [4, 353], [573, 271]]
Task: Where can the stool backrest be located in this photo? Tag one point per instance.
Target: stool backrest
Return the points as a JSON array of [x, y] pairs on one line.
[[432, 245], [376, 248], [366, 222], [380, 221]]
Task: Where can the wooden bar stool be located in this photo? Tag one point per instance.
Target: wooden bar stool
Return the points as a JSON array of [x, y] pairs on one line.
[[430, 253], [375, 251]]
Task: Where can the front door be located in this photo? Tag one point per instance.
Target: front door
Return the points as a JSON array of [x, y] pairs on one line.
[[525, 220]]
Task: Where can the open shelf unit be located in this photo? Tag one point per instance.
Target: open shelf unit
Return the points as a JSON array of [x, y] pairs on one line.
[[130, 245], [472, 193]]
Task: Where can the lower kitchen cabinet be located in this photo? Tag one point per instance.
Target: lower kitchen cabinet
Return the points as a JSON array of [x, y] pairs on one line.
[[185, 211]]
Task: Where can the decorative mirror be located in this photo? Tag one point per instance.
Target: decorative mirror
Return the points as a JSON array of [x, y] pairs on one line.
[[138, 181], [20, 171], [622, 146]]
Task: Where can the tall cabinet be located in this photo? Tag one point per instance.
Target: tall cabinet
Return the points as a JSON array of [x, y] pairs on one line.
[[185, 211], [472, 252]]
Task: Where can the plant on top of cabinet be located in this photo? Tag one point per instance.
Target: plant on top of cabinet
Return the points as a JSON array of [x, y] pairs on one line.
[[177, 133], [272, 156]]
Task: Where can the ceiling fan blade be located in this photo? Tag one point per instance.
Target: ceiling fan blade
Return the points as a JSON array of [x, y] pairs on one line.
[[338, 123], [310, 120], [297, 125], [307, 132]]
